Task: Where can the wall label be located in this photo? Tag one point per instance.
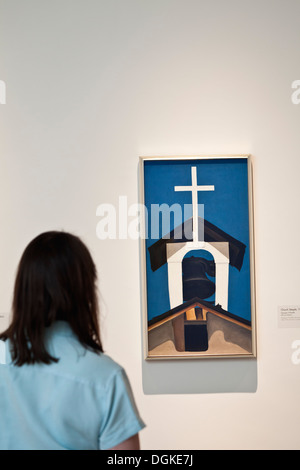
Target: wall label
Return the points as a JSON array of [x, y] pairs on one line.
[[289, 316]]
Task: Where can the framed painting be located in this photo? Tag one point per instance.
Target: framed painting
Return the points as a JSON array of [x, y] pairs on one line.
[[197, 257]]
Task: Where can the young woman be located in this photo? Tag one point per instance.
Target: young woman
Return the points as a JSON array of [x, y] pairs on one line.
[[58, 390]]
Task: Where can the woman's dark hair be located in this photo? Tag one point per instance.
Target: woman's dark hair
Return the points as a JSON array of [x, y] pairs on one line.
[[56, 280]]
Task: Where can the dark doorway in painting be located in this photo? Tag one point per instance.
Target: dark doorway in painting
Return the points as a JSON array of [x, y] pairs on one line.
[[195, 336]]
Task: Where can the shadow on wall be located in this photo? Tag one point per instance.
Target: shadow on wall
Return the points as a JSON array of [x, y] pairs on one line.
[[200, 376]]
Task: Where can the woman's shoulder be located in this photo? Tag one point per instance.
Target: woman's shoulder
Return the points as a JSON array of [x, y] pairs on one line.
[[104, 364], [81, 362], [97, 367]]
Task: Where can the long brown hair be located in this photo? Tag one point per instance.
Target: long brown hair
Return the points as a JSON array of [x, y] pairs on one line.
[[56, 280]]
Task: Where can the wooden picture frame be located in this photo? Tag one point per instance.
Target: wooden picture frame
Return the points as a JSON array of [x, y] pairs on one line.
[[197, 257]]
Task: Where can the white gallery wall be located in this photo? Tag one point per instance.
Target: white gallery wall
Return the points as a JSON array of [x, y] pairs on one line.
[[93, 84]]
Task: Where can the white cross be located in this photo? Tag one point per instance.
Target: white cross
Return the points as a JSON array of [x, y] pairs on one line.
[[194, 189]]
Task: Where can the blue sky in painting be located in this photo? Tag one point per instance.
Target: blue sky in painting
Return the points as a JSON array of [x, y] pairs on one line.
[[226, 207]]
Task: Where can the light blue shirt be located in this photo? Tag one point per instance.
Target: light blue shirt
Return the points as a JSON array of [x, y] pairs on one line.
[[83, 402]]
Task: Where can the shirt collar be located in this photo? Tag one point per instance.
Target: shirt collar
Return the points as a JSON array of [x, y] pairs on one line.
[[61, 328]]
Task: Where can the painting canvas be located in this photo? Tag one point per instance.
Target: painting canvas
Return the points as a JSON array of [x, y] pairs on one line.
[[197, 257]]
